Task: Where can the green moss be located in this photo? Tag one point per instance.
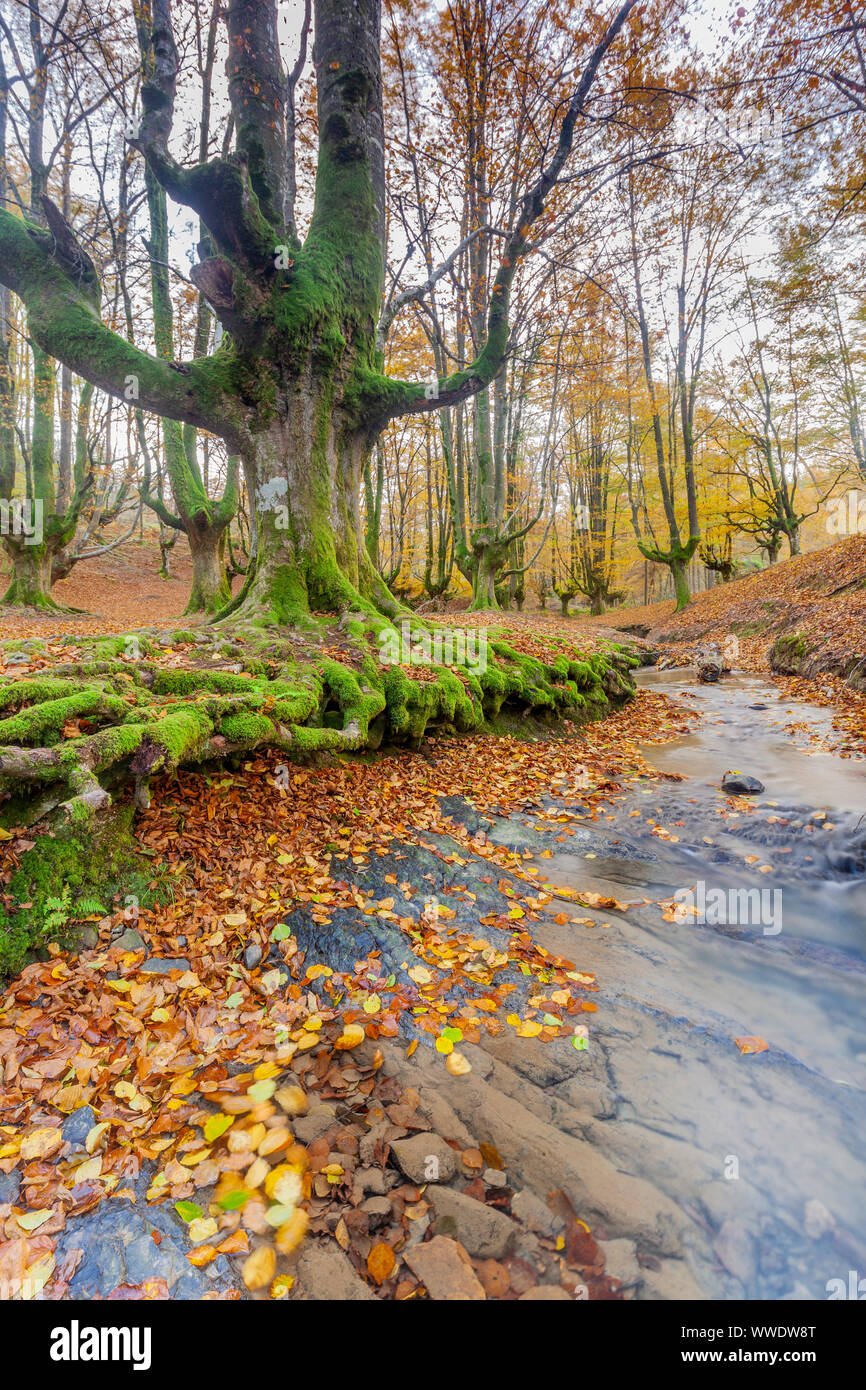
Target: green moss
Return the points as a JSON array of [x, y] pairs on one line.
[[72, 870], [43, 723]]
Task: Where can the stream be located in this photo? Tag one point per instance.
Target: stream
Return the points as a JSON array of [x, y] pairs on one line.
[[763, 1152]]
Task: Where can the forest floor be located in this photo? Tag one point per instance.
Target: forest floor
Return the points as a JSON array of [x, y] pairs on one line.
[[362, 999]]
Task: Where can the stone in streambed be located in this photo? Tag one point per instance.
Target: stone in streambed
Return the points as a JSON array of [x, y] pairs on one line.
[[482, 1230], [535, 1214], [425, 1158], [444, 1268], [252, 955], [163, 965], [10, 1186], [77, 1125], [324, 1274], [378, 1209], [129, 940], [741, 784]]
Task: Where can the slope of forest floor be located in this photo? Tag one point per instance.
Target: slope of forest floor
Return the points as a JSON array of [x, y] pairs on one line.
[[803, 616]]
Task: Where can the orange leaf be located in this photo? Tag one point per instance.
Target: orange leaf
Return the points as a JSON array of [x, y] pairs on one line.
[[380, 1262]]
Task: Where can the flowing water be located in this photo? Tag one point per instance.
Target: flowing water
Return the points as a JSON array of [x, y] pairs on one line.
[[763, 1152]]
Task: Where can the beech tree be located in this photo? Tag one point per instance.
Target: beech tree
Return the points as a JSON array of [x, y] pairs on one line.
[[297, 390], [296, 387]]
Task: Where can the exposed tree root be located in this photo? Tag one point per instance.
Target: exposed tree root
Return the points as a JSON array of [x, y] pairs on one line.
[[124, 711]]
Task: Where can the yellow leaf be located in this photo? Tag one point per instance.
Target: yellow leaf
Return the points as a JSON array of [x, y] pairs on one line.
[[457, 1064], [192, 1160], [292, 1100], [259, 1267], [32, 1220], [87, 1171], [215, 1125], [40, 1142], [380, 1262], [202, 1228], [292, 1232]]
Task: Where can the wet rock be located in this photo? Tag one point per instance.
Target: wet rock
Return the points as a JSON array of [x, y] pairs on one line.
[[88, 938], [119, 1248], [129, 940], [369, 1180], [417, 1231], [494, 1177], [378, 1209], [324, 1274], [445, 1120], [709, 665], [310, 1127], [77, 1125], [482, 1230], [10, 1187], [620, 1261], [252, 955], [537, 1215], [741, 784], [444, 1269], [369, 1141], [673, 1282], [147, 1260], [163, 965], [425, 1158]]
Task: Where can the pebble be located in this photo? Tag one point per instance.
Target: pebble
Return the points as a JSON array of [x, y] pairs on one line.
[[163, 965], [483, 1231], [444, 1268], [378, 1209], [425, 1158], [129, 940], [494, 1177], [10, 1187], [252, 955], [77, 1125]]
